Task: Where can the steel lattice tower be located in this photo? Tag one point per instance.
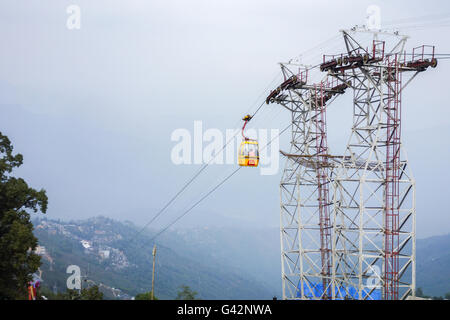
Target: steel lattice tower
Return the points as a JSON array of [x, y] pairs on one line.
[[348, 221]]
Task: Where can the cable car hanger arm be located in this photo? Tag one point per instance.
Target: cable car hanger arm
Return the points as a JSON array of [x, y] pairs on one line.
[[246, 119]]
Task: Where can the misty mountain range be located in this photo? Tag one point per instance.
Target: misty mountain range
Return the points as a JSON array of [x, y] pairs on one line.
[[217, 262]]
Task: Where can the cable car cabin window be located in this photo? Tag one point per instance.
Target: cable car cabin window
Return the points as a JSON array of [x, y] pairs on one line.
[[252, 150], [249, 154]]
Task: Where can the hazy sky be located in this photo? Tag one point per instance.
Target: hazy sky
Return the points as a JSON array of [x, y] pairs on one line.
[[92, 110]]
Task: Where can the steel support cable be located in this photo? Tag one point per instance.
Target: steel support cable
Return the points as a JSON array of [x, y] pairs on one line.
[[264, 121], [420, 22], [418, 25], [428, 54], [424, 27], [438, 56], [195, 204], [202, 168], [262, 149], [210, 192], [399, 23], [424, 23], [337, 42], [332, 46], [189, 182], [221, 183], [419, 18], [323, 44], [320, 46]]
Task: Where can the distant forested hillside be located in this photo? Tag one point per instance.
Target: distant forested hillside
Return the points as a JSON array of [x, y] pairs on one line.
[[433, 265], [115, 258], [219, 263]]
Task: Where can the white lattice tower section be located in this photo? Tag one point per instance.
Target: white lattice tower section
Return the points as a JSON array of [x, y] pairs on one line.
[[374, 209]]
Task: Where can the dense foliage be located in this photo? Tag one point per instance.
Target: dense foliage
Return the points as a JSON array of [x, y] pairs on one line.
[[145, 296], [91, 293], [17, 242], [210, 279], [185, 293]]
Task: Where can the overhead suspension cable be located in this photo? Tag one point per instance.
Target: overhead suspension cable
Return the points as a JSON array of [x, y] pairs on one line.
[[437, 16], [202, 168], [211, 191]]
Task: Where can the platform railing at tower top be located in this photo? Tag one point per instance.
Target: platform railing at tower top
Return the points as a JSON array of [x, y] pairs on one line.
[[419, 53]]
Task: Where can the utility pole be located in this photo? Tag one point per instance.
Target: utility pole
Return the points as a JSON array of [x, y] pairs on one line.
[[153, 273]]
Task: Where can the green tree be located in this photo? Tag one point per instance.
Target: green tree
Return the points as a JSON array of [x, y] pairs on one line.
[[145, 296], [91, 293], [70, 294], [419, 292], [447, 296], [186, 293], [17, 260]]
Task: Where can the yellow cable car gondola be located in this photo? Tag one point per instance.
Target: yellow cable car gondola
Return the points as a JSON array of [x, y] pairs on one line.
[[249, 149]]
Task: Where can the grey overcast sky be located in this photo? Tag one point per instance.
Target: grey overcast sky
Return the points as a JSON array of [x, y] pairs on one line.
[[92, 110]]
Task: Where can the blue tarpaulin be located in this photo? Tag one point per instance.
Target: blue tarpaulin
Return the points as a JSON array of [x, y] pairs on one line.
[[340, 292]]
